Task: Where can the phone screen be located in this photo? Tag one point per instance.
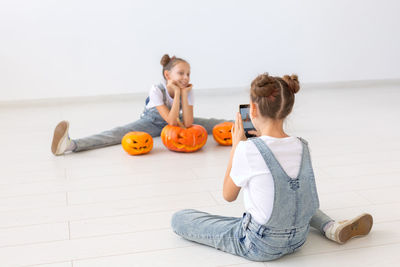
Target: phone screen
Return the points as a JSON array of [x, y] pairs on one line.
[[245, 113]]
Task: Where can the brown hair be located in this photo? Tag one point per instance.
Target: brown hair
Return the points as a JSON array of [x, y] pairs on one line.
[[274, 95], [169, 62]]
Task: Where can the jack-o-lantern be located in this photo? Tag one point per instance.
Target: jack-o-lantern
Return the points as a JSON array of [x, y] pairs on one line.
[[222, 133], [136, 143], [182, 139]]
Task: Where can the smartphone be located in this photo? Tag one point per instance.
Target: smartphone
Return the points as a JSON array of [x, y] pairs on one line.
[[244, 110]]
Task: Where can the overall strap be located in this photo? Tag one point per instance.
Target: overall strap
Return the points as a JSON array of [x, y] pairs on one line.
[[162, 89], [269, 157], [266, 153], [302, 140]]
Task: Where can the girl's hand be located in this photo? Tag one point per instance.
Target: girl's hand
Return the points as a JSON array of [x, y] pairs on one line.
[[238, 131], [173, 85], [187, 88], [254, 132]]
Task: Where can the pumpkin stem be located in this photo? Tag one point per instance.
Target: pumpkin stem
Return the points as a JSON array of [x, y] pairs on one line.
[[180, 123]]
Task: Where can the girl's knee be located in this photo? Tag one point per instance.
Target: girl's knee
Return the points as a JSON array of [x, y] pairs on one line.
[[180, 218]]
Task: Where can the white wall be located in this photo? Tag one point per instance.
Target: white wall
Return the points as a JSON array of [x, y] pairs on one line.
[[57, 48]]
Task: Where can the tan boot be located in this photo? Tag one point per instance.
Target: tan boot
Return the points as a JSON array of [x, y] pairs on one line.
[[342, 231]]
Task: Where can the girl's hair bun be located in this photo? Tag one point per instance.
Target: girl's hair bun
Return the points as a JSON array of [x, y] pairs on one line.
[[169, 62], [264, 80], [265, 86], [292, 82], [165, 60]]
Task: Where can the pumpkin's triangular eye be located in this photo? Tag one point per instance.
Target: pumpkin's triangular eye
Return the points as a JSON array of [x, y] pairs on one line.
[[230, 130], [134, 142], [147, 140]]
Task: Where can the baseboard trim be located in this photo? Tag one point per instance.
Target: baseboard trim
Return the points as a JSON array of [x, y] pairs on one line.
[[204, 91], [352, 84]]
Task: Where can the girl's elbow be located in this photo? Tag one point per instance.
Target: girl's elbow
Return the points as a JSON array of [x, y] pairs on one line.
[[187, 125], [188, 122], [229, 197], [172, 122]]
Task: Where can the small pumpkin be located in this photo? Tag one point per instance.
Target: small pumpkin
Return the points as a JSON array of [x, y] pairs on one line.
[[182, 139], [137, 143], [222, 133]]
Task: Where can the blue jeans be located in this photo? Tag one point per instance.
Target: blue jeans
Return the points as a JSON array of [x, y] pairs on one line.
[[242, 236]]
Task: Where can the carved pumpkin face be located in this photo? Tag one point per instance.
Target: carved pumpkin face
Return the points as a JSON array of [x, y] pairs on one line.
[[136, 143], [180, 139], [222, 133]]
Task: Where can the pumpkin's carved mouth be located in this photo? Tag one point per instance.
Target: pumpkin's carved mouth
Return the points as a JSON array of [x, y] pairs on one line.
[[181, 144], [140, 148]]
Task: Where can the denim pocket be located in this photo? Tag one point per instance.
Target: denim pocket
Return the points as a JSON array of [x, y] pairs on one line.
[[259, 250], [264, 253], [273, 240], [246, 243]]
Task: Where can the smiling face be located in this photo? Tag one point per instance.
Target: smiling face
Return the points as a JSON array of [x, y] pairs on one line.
[[222, 133], [179, 139], [179, 73], [136, 143]]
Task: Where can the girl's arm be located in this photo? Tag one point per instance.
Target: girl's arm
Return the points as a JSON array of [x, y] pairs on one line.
[[187, 110], [171, 115], [230, 189]]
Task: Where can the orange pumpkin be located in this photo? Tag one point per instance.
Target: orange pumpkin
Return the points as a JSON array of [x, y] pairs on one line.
[[222, 133], [181, 139], [136, 143]]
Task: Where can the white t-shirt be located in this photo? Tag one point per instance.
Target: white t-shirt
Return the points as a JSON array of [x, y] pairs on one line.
[[250, 172], [156, 97]]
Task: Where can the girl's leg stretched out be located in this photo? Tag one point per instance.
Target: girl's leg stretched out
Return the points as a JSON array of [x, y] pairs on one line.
[[211, 230], [228, 234], [208, 123], [62, 143], [341, 231]]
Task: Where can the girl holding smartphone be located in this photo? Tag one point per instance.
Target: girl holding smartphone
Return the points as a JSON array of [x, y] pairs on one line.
[[275, 173]]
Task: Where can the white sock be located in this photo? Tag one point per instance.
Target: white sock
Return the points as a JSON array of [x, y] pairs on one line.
[[71, 146], [328, 225]]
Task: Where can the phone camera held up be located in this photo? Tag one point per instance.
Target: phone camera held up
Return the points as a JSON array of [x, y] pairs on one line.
[[244, 110]]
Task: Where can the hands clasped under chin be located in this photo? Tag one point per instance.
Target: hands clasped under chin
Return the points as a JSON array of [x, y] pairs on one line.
[[176, 86]]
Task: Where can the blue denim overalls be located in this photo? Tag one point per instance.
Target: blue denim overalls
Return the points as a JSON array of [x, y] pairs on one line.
[[295, 203]]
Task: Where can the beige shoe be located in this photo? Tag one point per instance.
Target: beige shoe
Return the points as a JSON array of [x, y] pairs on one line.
[[61, 139], [342, 231]]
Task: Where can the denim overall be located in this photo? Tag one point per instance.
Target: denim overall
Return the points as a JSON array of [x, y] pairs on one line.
[[150, 122], [295, 203]]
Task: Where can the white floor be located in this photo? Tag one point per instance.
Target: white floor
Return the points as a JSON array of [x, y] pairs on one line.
[[105, 208]]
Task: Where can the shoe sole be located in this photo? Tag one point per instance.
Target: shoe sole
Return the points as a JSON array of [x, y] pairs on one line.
[[60, 132], [359, 226]]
